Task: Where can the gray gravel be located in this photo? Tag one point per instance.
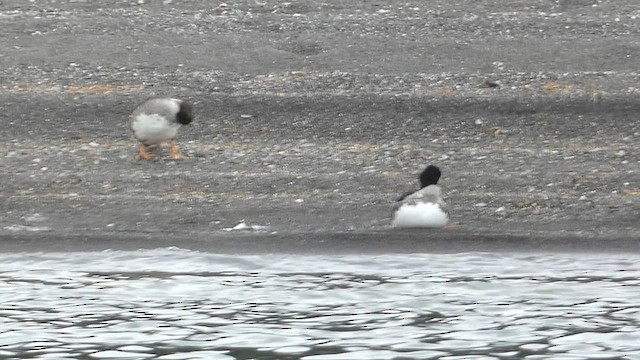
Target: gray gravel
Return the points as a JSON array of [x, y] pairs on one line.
[[311, 117]]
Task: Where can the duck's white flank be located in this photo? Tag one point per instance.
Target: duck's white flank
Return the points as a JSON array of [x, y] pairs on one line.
[[154, 128], [420, 214]]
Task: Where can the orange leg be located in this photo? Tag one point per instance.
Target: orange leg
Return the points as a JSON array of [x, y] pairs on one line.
[[143, 154], [174, 151]]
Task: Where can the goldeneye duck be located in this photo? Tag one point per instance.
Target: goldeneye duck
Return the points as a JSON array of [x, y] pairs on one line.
[[158, 120], [422, 208]]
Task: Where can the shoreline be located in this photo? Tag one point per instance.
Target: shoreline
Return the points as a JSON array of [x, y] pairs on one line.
[[389, 242]]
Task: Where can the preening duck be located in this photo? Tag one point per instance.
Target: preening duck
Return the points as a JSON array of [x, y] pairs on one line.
[[422, 208], [158, 120]]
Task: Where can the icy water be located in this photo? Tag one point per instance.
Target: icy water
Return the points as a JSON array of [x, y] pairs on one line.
[[180, 304]]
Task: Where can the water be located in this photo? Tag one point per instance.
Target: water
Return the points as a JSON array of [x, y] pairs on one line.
[[180, 304]]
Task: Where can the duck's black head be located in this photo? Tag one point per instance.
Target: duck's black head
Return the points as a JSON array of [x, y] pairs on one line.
[[185, 115], [430, 176]]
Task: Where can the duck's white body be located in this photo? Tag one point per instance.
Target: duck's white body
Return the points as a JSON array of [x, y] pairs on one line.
[[155, 121], [422, 209], [158, 120], [154, 128], [426, 215]]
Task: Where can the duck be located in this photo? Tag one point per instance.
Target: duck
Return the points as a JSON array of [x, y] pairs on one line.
[[158, 120], [423, 208]]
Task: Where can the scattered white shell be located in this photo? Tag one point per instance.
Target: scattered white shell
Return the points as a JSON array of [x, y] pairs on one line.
[[244, 226], [17, 228]]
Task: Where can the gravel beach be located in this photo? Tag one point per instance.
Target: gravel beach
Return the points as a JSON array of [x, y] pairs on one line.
[[313, 116]]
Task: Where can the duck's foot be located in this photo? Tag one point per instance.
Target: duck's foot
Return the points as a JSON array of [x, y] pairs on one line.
[[175, 154], [143, 154]]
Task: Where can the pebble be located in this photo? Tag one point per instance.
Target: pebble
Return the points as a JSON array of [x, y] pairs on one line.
[[35, 218]]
